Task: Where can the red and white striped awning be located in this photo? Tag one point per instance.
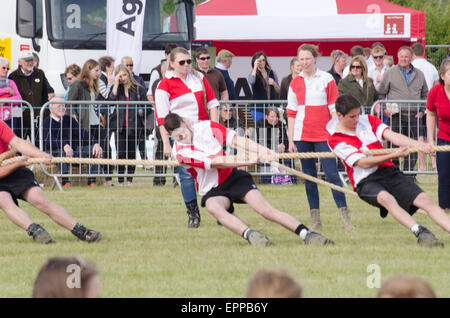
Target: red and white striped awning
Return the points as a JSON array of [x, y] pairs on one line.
[[300, 20]]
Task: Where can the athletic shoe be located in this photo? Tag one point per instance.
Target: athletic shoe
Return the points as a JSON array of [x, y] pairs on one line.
[[193, 215], [41, 236], [314, 238], [427, 239], [92, 236], [85, 234], [257, 238]]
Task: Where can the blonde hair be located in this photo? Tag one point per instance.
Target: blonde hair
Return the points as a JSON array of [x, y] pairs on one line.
[[273, 284], [85, 75], [336, 55], [379, 49], [122, 68]]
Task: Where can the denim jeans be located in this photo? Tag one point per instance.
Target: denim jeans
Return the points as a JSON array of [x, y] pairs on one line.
[[329, 166], [187, 183], [443, 169]]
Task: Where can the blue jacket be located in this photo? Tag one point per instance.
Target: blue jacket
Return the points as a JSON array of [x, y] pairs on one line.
[[230, 84], [57, 135]]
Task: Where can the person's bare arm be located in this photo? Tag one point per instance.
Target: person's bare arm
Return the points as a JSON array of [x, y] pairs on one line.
[[8, 169], [28, 149], [372, 161]]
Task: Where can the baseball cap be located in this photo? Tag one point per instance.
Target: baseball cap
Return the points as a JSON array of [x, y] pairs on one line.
[[223, 54], [26, 55]]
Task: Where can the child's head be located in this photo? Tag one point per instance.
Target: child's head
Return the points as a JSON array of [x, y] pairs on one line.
[[345, 103], [177, 128]]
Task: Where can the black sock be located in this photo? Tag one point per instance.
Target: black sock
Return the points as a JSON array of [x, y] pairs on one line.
[[300, 228]]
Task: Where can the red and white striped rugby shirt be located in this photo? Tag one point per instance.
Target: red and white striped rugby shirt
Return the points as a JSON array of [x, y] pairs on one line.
[[207, 142], [311, 103], [369, 135], [184, 98]]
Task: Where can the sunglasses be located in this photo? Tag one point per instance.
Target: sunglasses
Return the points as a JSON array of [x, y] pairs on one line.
[[5, 68], [129, 65], [356, 67], [378, 57], [185, 61], [205, 58]]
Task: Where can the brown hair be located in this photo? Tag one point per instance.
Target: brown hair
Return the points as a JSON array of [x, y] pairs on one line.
[[105, 61], [418, 49], [173, 54], [172, 121], [445, 65], [362, 61], [336, 55], [406, 286], [86, 77], [273, 284], [122, 68], [74, 69], [309, 47], [52, 280]]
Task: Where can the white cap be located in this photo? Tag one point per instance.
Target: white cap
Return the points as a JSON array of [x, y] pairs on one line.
[[26, 55]]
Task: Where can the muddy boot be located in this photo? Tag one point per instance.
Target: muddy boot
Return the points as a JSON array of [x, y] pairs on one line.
[[315, 219], [346, 223], [193, 215]]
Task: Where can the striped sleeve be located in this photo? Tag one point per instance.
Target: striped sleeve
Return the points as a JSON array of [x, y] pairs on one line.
[[222, 134], [162, 102], [344, 151], [378, 127], [292, 103], [332, 95], [194, 158]]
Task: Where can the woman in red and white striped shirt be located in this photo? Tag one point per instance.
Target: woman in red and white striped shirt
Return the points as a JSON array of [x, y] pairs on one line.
[[187, 93], [311, 98]]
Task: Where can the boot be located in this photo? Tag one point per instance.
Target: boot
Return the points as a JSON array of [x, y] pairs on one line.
[[315, 219], [84, 234], [193, 215], [345, 218]]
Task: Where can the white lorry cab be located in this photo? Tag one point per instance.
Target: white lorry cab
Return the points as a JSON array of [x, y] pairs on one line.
[[63, 32]]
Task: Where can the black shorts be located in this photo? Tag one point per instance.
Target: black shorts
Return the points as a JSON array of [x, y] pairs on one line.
[[392, 180], [17, 182], [237, 185]]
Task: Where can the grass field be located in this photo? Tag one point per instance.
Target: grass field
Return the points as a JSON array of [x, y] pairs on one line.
[[148, 251]]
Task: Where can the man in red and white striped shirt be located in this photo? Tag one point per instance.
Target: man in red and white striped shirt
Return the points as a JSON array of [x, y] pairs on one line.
[[375, 178], [200, 146]]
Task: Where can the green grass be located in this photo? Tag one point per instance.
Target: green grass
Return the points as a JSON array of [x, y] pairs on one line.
[[148, 251]]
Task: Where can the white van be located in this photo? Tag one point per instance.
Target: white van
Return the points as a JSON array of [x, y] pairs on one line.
[[63, 32]]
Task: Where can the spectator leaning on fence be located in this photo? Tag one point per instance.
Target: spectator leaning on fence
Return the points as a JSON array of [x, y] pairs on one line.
[[63, 137], [127, 120], [311, 100], [187, 93], [358, 84], [404, 82], [438, 106], [8, 90]]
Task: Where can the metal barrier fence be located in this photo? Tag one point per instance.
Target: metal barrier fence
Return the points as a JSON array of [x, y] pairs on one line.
[[407, 117], [265, 122], [19, 115]]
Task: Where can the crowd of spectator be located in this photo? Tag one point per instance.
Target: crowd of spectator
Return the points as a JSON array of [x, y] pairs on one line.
[[367, 74]]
